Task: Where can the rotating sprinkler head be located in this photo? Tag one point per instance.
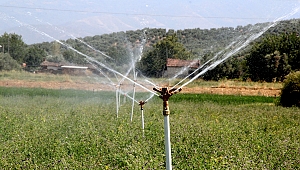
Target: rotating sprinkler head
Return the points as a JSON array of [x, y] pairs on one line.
[[142, 103], [165, 94]]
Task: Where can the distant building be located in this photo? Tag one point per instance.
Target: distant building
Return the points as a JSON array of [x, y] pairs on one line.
[[66, 68], [181, 68], [47, 66]]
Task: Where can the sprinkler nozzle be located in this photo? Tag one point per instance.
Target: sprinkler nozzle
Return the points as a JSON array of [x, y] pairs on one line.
[[142, 103], [165, 94]]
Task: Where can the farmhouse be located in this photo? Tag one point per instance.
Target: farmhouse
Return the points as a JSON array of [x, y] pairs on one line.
[[183, 67]]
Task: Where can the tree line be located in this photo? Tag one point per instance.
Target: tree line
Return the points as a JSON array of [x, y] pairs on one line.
[[269, 58]]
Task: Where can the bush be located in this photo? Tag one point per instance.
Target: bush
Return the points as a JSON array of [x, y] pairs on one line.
[[7, 63], [290, 92]]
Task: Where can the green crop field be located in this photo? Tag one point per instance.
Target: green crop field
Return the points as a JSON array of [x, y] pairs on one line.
[[68, 129]]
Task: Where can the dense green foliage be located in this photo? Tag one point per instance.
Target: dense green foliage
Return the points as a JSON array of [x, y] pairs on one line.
[[274, 57], [34, 57], [201, 44], [276, 52], [14, 50], [154, 61], [13, 45], [7, 63], [79, 130], [290, 92]]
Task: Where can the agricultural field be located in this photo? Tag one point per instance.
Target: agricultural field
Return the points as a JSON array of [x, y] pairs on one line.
[[98, 83], [78, 129]]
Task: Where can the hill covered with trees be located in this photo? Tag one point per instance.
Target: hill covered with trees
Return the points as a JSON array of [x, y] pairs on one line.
[[273, 49]]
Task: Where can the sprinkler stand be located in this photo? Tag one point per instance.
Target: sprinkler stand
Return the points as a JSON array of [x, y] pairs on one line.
[[165, 95], [142, 103]]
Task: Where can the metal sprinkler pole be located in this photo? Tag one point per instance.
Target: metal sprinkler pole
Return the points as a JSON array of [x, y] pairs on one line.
[[142, 103], [165, 95]]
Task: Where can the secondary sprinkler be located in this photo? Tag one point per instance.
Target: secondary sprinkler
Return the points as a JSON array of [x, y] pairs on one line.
[[142, 103], [165, 94]]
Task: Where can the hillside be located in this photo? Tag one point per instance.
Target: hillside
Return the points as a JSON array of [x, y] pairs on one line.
[[199, 41]]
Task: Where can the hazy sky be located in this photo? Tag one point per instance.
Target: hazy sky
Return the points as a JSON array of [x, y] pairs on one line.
[[174, 14]]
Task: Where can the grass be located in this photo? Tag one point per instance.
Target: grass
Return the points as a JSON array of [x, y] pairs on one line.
[[46, 77], [68, 129]]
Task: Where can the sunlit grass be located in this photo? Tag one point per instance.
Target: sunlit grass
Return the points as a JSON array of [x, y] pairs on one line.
[[46, 77]]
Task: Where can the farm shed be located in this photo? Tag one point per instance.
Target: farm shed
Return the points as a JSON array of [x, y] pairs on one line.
[[52, 67], [66, 68], [184, 67]]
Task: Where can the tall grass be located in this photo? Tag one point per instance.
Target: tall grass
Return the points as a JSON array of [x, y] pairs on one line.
[[65, 129]]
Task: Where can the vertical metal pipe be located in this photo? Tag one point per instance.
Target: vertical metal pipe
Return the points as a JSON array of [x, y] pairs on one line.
[[165, 95], [143, 124], [167, 143]]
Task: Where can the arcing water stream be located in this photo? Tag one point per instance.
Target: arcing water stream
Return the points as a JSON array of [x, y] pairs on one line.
[[86, 56], [220, 57], [210, 64]]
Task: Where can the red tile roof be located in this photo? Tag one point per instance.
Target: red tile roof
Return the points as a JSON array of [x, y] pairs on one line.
[[171, 62]]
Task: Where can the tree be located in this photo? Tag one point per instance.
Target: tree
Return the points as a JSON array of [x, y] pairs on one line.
[[273, 57], [119, 54], [14, 45], [34, 57], [290, 93], [290, 45], [153, 63], [231, 69], [72, 57], [7, 63]]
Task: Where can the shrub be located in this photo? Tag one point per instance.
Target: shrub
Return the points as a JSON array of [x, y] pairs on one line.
[[7, 63], [290, 92]]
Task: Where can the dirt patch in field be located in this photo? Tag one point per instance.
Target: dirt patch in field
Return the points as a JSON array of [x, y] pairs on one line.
[[228, 90], [246, 91]]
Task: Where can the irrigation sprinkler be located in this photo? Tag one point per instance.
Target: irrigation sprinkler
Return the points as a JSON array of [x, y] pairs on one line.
[[142, 103], [165, 95]]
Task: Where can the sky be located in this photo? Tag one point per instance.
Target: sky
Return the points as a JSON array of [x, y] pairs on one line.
[[62, 18]]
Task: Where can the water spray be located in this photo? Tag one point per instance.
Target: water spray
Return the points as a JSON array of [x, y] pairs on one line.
[[133, 95], [165, 94]]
